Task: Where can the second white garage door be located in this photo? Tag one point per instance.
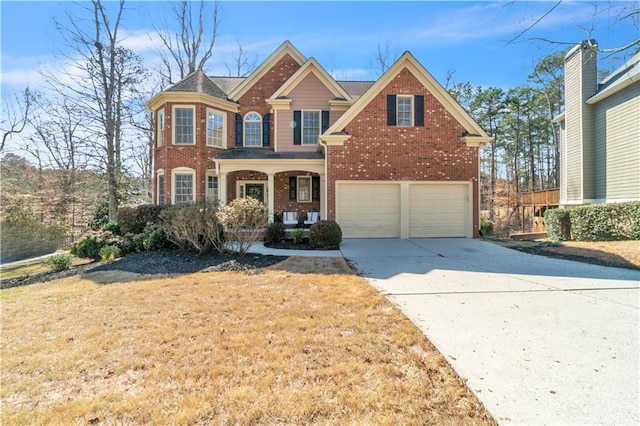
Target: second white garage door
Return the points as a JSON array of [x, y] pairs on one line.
[[368, 210], [438, 210]]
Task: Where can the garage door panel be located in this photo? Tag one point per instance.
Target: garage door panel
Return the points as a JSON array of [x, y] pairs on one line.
[[369, 210], [438, 210]]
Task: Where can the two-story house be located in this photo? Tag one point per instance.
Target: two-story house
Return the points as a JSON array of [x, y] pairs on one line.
[[394, 158]]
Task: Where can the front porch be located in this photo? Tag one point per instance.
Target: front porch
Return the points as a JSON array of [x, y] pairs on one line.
[[282, 184]]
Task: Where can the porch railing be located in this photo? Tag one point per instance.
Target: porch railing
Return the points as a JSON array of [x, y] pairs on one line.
[[548, 197]]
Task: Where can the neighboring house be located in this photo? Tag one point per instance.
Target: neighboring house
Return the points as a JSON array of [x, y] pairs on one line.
[[599, 131], [397, 157]]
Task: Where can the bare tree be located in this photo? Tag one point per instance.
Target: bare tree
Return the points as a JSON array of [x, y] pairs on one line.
[[103, 84], [189, 50], [386, 55], [242, 64], [16, 115], [617, 13]]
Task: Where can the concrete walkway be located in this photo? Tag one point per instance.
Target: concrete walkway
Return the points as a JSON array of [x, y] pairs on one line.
[[540, 340]]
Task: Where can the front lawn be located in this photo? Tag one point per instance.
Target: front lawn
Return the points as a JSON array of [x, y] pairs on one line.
[[281, 345]]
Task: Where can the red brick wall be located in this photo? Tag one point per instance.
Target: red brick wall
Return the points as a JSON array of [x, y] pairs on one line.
[[376, 151], [198, 156], [281, 197]]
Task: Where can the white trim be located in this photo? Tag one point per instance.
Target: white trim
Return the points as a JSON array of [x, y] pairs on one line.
[[243, 183], [160, 172], [174, 126], [411, 108], [298, 178], [244, 129], [302, 142], [189, 98], [223, 137], [211, 173], [182, 171], [160, 128]]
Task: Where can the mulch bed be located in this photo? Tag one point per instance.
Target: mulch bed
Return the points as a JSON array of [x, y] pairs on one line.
[[290, 245], [162, 263]]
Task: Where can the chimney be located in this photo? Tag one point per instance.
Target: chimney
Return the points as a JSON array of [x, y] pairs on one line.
[[580, 83]]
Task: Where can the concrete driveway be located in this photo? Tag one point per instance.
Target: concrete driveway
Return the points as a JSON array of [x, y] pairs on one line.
[[539, 340]]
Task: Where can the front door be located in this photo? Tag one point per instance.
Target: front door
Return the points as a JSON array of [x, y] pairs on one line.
[[255, 190]]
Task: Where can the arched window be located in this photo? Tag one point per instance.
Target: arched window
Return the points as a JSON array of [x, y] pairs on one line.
[[252, 129]]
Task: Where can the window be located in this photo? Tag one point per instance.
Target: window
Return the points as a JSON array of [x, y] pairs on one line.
[[213, 194], [304, 189], [405, 109], [160, 190], [160, 128], [310, 127], [215, 128], [183, 126], [252, 129], [184, 189]]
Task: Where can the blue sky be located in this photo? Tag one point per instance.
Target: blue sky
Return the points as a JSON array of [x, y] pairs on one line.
[[466, 38]]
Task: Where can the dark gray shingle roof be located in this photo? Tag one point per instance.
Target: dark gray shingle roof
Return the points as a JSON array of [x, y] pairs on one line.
[[266, 154], [198, 82]]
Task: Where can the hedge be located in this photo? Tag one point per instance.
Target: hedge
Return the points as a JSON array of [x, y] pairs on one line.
[[595, 222]]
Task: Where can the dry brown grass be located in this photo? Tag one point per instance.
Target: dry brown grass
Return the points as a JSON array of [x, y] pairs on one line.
[[281, 346]]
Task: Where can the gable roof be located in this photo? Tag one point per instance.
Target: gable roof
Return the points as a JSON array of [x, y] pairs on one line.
[[312, 67], [407, 60], [621, 78], [285, 48]]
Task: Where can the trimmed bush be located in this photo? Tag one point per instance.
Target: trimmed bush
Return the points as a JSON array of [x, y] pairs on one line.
[[325, 234], [134, 219], [90, 244], [606, 222], [274, 232], [486, 227], [193, 227], [108, 253], [60, 262], [155, 238], [558, 224]]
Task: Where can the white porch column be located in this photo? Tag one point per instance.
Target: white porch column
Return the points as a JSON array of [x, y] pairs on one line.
[[270, 196], [223, 188], [323, 198]]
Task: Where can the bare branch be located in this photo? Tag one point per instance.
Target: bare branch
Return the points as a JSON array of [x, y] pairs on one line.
[[537, 21], [17, 113]]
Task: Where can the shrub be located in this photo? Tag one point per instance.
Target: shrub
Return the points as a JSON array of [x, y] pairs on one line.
[[274, 232], [486, 227], [60, 262], [111, 227], [325, 234], [110, 252], [134, 219], [297, 235], [604, 222], [243, 220], [194, 227], [100, 216], [558, 224], [90, 244], [155, 238]]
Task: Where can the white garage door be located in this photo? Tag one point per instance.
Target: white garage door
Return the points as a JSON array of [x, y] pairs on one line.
[[437, 210], [368, 210]]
